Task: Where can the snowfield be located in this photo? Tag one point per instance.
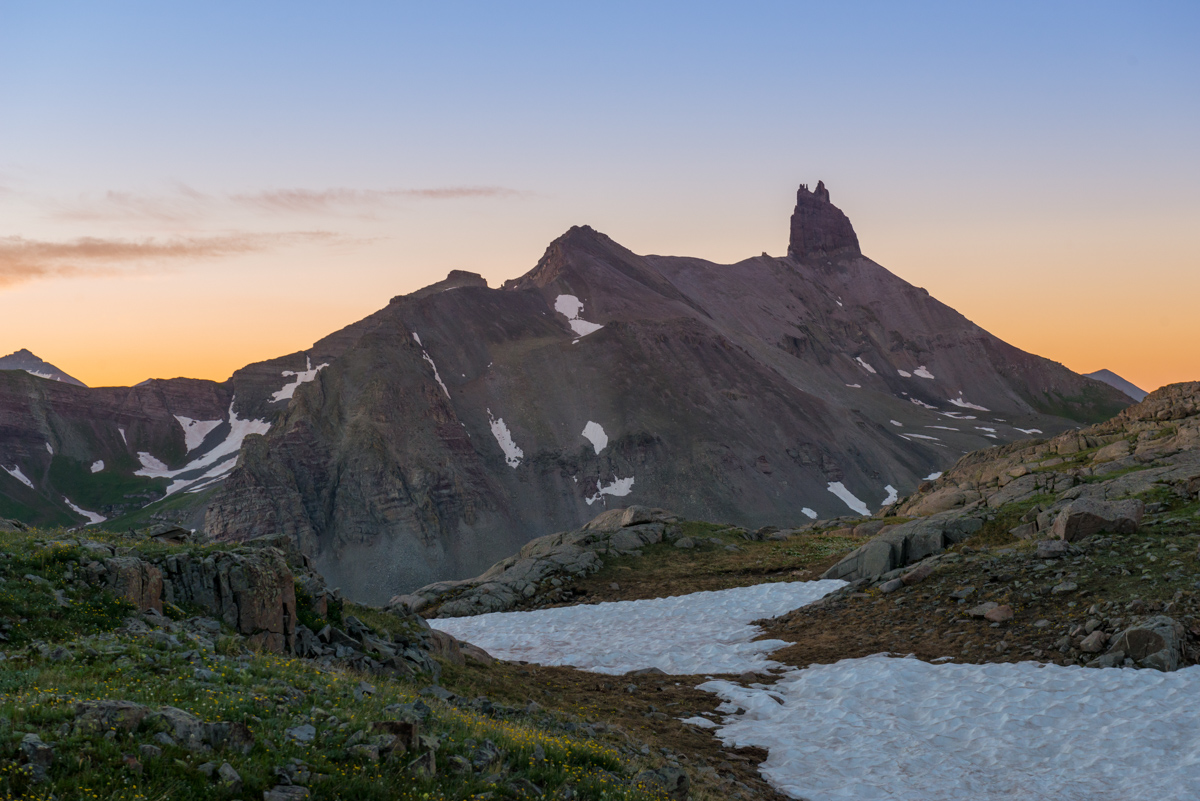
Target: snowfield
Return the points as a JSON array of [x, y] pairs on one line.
[[903, 729], [705, 632], [883, 727]]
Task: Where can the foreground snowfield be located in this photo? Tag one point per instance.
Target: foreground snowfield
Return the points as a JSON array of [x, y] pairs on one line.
[[884, 727], [705, 632], [888, 728]]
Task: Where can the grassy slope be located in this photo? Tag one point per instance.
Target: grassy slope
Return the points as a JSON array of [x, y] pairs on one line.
[[60, 654]]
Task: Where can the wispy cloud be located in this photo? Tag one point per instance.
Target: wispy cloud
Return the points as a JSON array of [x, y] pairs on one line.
[[308, 200], [187, 204], [24, 259]]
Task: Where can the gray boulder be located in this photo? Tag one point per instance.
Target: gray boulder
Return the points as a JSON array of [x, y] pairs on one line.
[[1156, 643], [897, 546], [562, 556], [1087, 516]]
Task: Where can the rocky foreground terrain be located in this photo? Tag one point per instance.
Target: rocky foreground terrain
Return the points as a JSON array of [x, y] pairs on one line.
[[448, 429], [161, 663]]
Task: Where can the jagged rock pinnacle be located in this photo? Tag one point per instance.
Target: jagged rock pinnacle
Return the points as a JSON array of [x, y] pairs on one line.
[[819, 228]]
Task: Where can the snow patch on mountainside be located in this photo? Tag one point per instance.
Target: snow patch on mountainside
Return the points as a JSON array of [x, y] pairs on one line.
[[847, 497], [594, 433], [194, 431], [618, 487], [512, 453], [15, 472], [92, 517], [571, 307], [704, 632], [97, 465], [210, 464], [892, 495], [922, 372], [965, 405], [309, 374], [864, 365]]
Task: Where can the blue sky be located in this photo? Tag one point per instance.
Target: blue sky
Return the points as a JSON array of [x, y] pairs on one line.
[[999, 154]]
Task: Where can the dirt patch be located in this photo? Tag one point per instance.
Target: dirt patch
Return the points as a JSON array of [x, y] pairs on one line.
[[640, 716]]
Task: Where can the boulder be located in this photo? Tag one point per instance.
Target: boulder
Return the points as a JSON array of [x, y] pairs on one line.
[[1156, 643], [1052, 549], [98, 717], [1087, 516], [897, 546]]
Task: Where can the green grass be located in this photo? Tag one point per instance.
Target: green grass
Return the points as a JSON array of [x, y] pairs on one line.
[[177, 505], [58, 656], [109, 487]]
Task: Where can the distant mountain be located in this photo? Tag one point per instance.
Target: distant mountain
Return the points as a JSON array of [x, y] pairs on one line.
[[457, 424], [24, 360], [441, 433], [1114, 380]]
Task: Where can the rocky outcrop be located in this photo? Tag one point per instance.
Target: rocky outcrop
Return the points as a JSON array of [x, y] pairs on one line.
[[819, 228], [251, 590], [1087, 516], [896, 546], [556, 558], [140, 583]]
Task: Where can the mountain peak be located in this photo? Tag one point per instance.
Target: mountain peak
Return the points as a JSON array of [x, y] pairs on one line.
[[819, 228], [25, 360]]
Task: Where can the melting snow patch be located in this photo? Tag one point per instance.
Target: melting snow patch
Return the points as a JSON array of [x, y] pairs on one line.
[[855, 386], [594, 433], [1030, 430], [921, 372], [512, 454], [847, 497], [15, 472], [897, 424], [703, 723], [922, 404], [211, 464], [943, 428], [957, 415], [933, 476], [892, 496], [985, 428], [619, 487], [571, 307], [92, 517], [151, 466], [920, 436], [904, 374], [704, 632], [438, 378], [50, 448], [309, 374], [809, 513], [418, 339], [121, 431], [865, 366], [907, 730], [97, 465], [194, 431], [41, 375], [964, 405]]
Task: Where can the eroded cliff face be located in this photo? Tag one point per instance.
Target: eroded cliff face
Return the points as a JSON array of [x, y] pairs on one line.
[[454, 425]]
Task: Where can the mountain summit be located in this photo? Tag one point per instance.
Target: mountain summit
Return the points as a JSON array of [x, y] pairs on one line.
[[446, 430], [24, 360], [819, 228]]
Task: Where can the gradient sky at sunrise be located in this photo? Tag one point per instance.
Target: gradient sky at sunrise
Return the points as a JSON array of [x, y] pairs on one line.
[[187, 188]]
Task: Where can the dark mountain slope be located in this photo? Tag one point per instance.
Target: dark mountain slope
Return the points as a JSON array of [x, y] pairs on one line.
[[461, 421]]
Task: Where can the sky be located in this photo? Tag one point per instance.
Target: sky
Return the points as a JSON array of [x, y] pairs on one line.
[[189, 188]]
